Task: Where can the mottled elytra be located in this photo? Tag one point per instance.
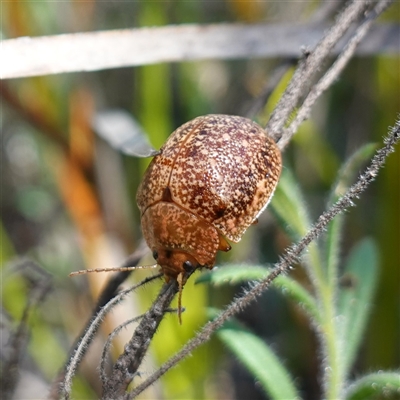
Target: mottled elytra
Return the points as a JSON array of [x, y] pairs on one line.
[[210, 182]]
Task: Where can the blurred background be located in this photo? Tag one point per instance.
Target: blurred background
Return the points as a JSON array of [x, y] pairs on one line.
[[68, 198]]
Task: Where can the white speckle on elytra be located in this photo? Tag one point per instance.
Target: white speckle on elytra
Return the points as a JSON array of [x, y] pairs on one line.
[[226, 181]]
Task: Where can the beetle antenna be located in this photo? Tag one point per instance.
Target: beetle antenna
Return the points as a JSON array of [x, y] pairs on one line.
[[179, 279], [116, 269]]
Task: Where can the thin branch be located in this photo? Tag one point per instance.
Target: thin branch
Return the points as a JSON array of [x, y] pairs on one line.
[[320, 16], [332, 74], [291, 256], [93, 327], [110, 338], [106, 348], [25, 56], [108, 293], [311, 64], [41, 284], [128, 363]]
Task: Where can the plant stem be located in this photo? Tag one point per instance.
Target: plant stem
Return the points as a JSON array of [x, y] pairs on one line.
[[332, 371], [325, 291]]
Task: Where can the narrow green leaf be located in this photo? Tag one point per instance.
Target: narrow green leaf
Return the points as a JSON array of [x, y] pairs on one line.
[[350, 169], [345, 178], [302, 297], [355, 298], [374, 386], [289, 207], [7, 250], [260, 360], [234, 274], [317, 155]]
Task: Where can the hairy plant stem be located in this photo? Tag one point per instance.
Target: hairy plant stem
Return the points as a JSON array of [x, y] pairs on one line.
[[325, 292], [332, 371], [309, 66]]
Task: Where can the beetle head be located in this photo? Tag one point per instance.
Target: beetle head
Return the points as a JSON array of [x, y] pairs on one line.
[[175, 262]]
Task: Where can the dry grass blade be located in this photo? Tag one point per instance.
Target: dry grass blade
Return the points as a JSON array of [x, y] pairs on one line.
[[25, 56]]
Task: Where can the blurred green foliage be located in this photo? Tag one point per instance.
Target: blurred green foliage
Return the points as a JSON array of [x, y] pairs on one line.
[[41, 220]]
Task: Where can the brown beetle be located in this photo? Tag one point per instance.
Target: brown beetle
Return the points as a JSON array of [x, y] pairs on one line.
[[210, 182]]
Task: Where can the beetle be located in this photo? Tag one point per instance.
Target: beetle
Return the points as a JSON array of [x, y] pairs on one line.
[[210, 181]]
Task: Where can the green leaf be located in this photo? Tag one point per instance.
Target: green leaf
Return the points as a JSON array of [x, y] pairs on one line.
[[289, 207], [302, 297], [345, 178], [355, 297], [234, 274], [378, 385], [260, 360], [350, 169], [315, 152]]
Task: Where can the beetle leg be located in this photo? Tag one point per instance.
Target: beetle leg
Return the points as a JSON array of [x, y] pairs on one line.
[[179, 279], [223, 244]]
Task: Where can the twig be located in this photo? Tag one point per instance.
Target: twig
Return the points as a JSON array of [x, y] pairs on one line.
[[109, 292], [106, 348], [94, 324], [25, 56], [110, 338], [331, 75], [309, 66], [291, 256], [128, 363], [10, 367], [321, 15]]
